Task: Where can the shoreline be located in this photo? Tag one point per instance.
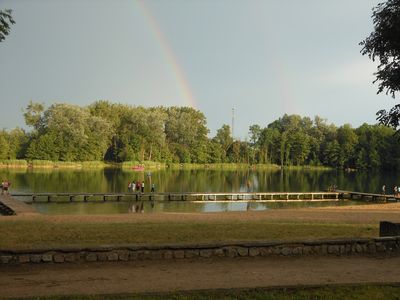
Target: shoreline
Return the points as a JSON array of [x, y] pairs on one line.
[[44, 164]]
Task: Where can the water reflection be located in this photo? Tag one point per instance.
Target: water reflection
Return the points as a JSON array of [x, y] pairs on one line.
[[113, 180], [136, 207]]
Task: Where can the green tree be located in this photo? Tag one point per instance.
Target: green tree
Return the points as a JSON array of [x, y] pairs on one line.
[[224, 138], [6, 20], [384, 44], [68, 133]]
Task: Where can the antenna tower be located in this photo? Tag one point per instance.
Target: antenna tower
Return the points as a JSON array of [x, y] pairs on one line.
[[233, 122]]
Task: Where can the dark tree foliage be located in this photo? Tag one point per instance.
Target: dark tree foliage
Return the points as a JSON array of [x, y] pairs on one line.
[[6, 20], [384, 44]]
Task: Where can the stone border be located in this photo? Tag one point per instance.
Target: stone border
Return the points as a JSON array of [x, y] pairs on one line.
[[386, 246]]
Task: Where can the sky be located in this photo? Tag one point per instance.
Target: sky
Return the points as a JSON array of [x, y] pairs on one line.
[[264, 58]]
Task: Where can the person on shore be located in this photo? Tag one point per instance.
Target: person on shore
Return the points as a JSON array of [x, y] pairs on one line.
[[5, 185], [153, 187], [133, 186], [142, 186], [138, 186], [248, 185], [384, 190], [129, 186]]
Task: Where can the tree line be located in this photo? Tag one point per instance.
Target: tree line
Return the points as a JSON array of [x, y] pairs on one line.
[[105, 131]]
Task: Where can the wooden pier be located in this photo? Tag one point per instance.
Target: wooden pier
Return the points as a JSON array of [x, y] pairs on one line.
[[260, 197], [11, 206], [369, 196]]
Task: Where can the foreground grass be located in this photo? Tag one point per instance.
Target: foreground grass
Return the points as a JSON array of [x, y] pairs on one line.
[[370, 292], [28, 234]]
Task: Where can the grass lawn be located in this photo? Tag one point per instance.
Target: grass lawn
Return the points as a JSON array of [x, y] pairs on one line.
[[370, 292], [39, 233]]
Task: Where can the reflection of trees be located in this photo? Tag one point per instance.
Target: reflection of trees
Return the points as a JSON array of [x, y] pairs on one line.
[[116, 180]]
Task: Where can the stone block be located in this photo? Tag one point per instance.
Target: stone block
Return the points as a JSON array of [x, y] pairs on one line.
[[380, 247], [91, 257], [36, 258], [359, 248], [112, 256], [276, 250], [123, 256], [297, 251], [143, 254], [324, 249], [23, 259], [47, 258], [286, 251], [371, 248], [146, 254], [156, 254], [206, 253], [342, 249], [59, 258], [102, 256], [219, 252], [179, 254], [242, 251], [254, 251], [317, 250], [6, 259], [230, 252], [70, 257], [307, 250], [168, 254], [191, 253], [333, 249]]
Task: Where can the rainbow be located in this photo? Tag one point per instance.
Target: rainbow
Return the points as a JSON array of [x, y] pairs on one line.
[[171, 60]]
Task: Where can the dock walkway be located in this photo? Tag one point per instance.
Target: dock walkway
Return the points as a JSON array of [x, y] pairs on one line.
[[369, 196], [176, 196], [11, 206]]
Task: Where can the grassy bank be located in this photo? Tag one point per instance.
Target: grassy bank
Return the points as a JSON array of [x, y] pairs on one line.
[[148, 165], [48, 232], [355, 292], [48, 164], [13, 163]]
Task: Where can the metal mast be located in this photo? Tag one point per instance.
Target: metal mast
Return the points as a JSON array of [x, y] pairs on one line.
[[233, 122]]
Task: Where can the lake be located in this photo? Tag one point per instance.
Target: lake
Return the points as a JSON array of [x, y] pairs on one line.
[[114, 180]]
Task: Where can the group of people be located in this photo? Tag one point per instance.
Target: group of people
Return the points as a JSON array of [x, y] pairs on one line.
[[332, 188], [396, 190], [138, 186], [5, 185]]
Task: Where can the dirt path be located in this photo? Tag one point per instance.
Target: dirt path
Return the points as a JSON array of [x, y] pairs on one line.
[[164, 276]]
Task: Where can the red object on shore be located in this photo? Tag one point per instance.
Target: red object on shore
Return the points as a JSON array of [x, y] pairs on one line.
[[138, 168]]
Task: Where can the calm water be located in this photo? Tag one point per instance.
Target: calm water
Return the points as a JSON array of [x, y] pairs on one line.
[[116, 180]]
